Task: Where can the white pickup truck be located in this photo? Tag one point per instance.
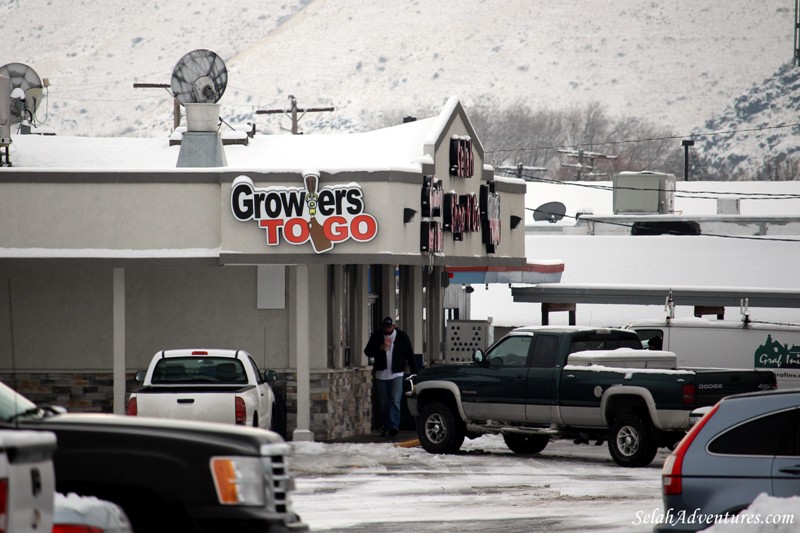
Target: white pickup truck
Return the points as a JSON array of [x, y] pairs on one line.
[[27, 480], [199, 384]]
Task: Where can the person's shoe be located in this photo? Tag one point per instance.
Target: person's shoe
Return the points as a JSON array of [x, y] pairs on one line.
[[393, 432]]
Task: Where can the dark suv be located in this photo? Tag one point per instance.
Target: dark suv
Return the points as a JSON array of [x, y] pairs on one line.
[[745, 445]]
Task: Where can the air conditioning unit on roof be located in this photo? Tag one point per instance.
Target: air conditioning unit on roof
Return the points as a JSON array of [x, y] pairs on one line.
[[644, 193]]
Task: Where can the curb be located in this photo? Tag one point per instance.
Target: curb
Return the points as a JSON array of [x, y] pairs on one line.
[[411, 443]]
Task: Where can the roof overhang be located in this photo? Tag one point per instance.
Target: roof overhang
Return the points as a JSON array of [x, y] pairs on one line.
[[531, 273], [657, 295]]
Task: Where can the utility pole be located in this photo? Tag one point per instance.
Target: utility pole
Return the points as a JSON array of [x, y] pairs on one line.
[[686, 144], [580, 155], [797, 33], [519, 168], [176, 106], [294, 110]]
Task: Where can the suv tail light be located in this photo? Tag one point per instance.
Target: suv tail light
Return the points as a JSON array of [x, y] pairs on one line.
[[241, 411], [3, 505], [76, 528], [132, 408], [672, 473]]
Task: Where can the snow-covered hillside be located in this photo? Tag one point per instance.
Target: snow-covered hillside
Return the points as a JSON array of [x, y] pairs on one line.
[[678, 63], [765, 120]]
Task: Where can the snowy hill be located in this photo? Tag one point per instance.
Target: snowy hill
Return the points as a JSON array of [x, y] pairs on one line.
[[678, 63], [765, 118]]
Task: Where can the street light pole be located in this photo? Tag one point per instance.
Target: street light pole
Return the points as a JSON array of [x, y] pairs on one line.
[[686, 144]]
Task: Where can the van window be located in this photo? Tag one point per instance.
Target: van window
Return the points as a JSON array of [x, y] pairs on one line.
[[652, 339]]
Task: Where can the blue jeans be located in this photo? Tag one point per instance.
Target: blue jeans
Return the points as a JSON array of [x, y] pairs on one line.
[[390, 393]]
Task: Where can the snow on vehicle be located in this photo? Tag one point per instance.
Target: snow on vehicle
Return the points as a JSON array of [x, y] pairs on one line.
[[700, 342], [223, 386]]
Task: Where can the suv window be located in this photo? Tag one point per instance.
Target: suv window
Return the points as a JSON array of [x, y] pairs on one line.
[[511, 351], [775, 434]]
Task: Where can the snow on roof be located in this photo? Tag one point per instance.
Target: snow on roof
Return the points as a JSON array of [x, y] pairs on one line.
[[398, 148]]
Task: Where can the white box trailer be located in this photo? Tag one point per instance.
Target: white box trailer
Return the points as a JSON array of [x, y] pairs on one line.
[[700, 342]]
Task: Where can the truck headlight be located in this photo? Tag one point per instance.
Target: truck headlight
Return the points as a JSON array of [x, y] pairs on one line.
[[238, 480]]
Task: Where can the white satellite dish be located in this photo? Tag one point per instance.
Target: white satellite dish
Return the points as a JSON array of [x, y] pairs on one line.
[[199, 77], [27, 91]]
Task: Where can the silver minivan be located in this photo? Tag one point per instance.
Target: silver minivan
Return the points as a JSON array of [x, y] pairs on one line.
[[745, 445]]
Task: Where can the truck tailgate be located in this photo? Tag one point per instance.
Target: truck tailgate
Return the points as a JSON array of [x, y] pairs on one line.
[[212, 404], [715, 384]]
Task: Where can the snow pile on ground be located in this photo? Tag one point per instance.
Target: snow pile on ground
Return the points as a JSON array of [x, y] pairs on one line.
[[785, 511]]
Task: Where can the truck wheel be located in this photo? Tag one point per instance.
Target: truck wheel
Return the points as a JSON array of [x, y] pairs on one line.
[[438, 430], [631, 442], [526, 444]]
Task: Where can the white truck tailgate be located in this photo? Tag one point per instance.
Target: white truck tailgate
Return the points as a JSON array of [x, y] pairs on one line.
[[191, 405]]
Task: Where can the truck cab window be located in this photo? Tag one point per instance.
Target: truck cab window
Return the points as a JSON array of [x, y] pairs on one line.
[[544, 351], [512, 351]]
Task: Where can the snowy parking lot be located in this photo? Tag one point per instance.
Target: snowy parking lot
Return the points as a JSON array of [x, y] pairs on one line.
[[380, 487]]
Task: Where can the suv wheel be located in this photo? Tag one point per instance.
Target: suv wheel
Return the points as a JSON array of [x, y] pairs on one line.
[[438, 430], [631, 442]]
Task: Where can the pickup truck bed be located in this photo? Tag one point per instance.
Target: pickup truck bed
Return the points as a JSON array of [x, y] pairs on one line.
[[211, 403], [216, 385]]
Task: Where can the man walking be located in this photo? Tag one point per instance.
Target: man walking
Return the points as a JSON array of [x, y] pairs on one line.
[[391, 349]]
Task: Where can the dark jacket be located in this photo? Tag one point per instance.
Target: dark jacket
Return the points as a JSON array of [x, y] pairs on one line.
[[403, 352]]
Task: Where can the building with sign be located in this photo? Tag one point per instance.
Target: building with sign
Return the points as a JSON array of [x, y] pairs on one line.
[[294, 250]]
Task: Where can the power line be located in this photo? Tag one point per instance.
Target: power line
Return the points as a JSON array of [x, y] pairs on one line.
[[669, 232], [646, 139], [681, 194]]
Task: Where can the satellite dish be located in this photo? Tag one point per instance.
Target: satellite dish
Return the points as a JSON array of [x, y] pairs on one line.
[[551, 211], [200, 77], [27, 90]]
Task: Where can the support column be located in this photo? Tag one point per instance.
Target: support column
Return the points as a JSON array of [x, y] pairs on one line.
[[361, 319], [302, 334], [119, 340], [388, 296], [411, 304], [337, 319], [434, 314]]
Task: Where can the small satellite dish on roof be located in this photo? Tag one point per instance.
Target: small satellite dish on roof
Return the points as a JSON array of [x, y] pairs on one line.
[[199, 77], [27, 91], [551, 211]]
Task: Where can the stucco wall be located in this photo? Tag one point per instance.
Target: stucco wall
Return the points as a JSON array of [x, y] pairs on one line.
[[61, 316]]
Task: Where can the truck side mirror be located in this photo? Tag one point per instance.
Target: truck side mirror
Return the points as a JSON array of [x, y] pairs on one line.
[[477, 356], [139, 376], [270, 375]]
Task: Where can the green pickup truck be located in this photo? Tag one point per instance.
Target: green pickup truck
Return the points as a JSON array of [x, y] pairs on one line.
[[587, 384]]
